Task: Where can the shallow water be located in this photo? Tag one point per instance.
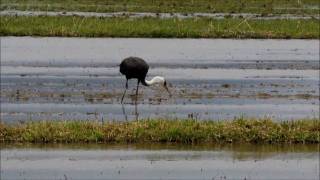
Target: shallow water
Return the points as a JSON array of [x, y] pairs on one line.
[[99, 161], [78, 78]]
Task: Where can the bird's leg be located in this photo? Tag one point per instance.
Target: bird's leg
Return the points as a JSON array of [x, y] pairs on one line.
[[124, 91], [137, 91], [136, 112], [124, 113]]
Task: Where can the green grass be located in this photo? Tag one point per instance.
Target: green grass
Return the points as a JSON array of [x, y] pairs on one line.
[[183, 6], [164, 131], [157, 28]]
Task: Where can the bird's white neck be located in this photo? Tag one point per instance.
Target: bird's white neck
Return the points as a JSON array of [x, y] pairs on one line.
[[155, 80]]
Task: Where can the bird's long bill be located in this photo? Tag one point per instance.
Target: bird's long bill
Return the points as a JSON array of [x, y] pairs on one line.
[[165, 86]]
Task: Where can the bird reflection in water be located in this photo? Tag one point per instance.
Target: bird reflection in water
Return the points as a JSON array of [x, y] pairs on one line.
[[136, 113]]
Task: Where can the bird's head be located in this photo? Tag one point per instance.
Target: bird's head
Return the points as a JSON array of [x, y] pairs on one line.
[[161, 80]]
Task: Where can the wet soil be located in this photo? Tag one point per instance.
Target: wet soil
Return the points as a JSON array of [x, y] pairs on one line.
[[159, 15]]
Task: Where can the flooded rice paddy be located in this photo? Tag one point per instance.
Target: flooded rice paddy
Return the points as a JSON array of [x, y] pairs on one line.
[[219, 162], [79, 79]]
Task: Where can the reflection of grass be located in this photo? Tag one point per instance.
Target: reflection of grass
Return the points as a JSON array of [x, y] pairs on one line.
[[244, 148], [155, 27], [239, 151], [165, 131], [184, 6]]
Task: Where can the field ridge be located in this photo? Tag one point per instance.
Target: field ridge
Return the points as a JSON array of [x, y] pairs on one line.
[[164, 131]]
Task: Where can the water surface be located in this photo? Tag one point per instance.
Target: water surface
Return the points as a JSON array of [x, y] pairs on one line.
[[79, 79], [210, 161]]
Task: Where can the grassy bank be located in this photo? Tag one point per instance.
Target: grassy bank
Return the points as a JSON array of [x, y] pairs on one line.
[[184, 6], [156, 27], [164, 131]]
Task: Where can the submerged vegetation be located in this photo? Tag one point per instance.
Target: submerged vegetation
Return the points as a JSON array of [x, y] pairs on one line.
[[164, 131], [157, 28], [184, 6]]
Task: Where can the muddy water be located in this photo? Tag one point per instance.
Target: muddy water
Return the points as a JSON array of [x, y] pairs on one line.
[[78, 78], [158, 15], [159, 162]]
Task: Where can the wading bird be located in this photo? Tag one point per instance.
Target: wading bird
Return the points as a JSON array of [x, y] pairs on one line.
[[137, 68]]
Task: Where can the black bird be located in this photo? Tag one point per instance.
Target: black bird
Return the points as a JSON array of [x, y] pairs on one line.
[[137, 68]]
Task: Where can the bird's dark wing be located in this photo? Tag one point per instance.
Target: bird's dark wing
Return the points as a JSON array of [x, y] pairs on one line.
[[134, 67]]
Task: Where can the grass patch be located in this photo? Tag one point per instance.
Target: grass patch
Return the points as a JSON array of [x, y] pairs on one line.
[[157, 28], [183, 6], [164, 131]]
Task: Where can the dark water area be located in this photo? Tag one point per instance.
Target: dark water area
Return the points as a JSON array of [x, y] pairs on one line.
[[159, 161], [79, 79]]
